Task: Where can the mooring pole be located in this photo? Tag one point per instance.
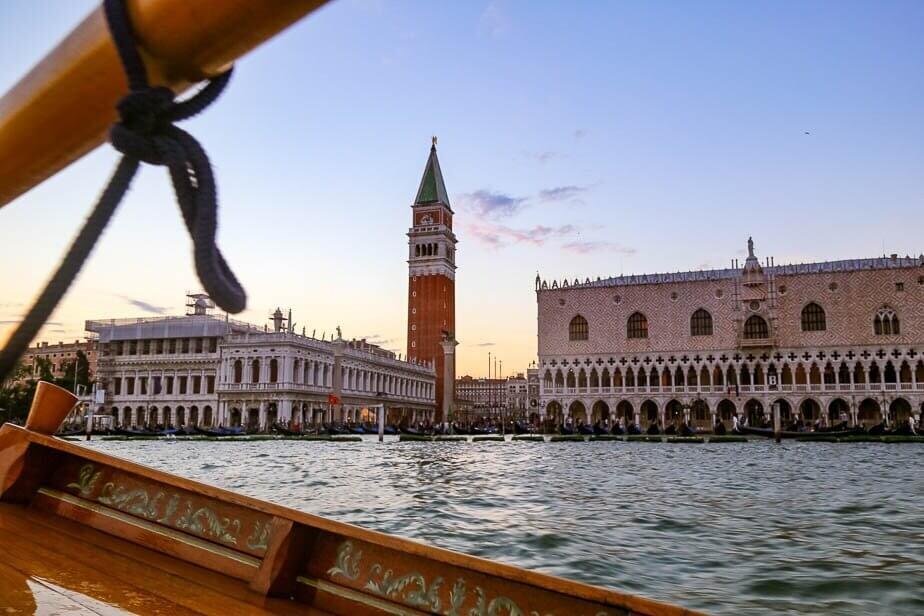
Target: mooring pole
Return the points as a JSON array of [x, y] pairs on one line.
[[776, 421], [381, 423]]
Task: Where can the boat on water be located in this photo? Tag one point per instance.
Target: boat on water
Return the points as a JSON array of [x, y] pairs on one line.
[[221, 431], [768, 432], [180, 543]]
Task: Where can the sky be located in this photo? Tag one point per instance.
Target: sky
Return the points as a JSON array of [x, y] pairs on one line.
[[576, 139]]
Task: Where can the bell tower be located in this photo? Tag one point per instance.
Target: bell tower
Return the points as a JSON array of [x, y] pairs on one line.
[[431, 297]]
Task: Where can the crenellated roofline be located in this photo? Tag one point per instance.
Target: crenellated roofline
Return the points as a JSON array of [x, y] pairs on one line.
[[821, 267]]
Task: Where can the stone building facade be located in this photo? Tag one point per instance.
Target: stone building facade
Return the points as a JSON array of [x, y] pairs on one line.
[[481, 396], [60, 356], [269, 377], [206, 370], [822, 340], [517, 398]]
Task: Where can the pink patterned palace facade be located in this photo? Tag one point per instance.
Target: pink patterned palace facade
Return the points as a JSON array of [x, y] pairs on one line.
[[825, 341]]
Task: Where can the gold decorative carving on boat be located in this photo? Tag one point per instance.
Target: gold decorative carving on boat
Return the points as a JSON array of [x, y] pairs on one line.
[[171, 509], [413, 589], [260, 537]]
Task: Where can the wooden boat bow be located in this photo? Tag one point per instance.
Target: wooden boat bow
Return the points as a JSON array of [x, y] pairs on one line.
[[275, 551]]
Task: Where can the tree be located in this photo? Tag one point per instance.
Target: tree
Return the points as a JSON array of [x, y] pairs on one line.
[[16, 394]]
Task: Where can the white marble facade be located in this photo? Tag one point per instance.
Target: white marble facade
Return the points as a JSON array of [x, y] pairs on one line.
[[204, 370]]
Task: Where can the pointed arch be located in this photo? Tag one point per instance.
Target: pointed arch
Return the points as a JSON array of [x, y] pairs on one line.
[[813, 318], [886, 323], [637, 326], [755, 328], [701, 323], [578, 329]]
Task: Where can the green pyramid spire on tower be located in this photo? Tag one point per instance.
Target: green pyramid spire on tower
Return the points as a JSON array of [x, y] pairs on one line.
[[432, 189]]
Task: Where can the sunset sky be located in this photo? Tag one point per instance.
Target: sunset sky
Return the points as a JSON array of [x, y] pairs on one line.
[[576, 139]]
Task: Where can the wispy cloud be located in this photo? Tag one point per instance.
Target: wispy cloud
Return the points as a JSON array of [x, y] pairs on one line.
[[561, 193], [580, 133], [588, 247], [378, 339], [496, 235], [490, 204], [494, 21], [17, 321], [143, 305], [485, 344], [544, 157]]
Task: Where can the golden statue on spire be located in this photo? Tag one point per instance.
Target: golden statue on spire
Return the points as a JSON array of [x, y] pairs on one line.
[[433, 139]]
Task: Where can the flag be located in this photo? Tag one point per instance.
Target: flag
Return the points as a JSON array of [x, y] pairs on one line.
[[332, 399]]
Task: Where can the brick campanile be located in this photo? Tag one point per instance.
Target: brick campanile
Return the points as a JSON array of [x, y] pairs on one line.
[[431, 295]]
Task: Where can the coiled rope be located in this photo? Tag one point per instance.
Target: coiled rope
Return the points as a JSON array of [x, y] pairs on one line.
[[146, 133]]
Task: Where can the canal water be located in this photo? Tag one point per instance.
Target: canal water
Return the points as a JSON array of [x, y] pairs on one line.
[[730, 528]]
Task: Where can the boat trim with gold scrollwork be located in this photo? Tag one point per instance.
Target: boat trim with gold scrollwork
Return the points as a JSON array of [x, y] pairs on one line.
[[171, 508], [414, 590]]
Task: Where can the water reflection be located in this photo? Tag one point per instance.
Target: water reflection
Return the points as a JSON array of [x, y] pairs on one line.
[[730, 528]]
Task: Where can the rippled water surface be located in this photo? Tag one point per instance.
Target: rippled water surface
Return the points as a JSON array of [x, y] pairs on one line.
[[730, 528]]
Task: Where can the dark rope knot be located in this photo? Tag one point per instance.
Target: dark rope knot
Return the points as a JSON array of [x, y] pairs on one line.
[[146, 132], [142, 131]]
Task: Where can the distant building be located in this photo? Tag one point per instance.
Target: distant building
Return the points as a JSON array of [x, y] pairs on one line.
[[207, 370], [517, 398], [831, 339], [532, 379], [60, 356], [488, 397]]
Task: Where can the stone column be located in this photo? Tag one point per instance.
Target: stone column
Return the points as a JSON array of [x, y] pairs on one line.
[[337, 380], [444, 407], [285, 410]]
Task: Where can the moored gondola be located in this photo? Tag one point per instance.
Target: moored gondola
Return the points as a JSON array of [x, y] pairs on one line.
[[768, 432], [221, 431], [284, 431], [135, 432]]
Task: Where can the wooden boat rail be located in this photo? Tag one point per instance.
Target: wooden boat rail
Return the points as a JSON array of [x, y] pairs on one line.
[[328, 565]]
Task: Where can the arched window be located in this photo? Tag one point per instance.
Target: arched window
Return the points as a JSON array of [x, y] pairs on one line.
[[577, 329], [255, 371], [701, 323], [637, 326], [274, 370], [813, 318], [238, 371], [886, 323], [755, 328]]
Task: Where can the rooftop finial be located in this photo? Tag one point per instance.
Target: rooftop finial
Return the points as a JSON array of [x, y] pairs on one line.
[[750, 247], [433, 140]]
